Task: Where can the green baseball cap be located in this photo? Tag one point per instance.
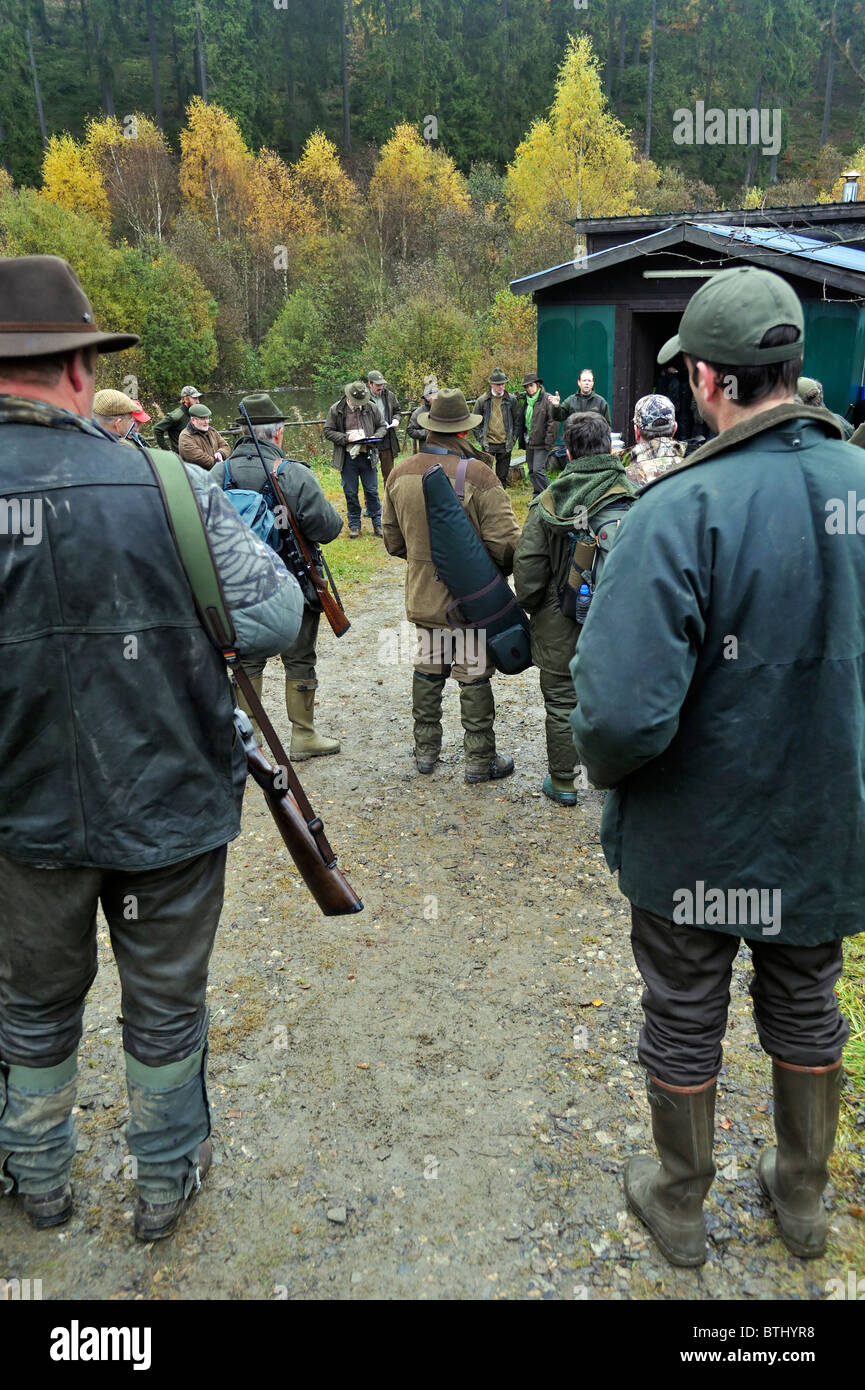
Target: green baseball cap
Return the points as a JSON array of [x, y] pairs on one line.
[[726, 319]]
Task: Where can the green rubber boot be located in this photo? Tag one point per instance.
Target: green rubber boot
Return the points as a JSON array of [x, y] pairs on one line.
[[306, 741], [427, 694], [793, 1175], [668, 1196], [478, 713]]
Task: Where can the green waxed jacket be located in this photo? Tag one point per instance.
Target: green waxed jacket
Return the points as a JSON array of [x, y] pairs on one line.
[[542, 557], [721, 684], [169, 428]]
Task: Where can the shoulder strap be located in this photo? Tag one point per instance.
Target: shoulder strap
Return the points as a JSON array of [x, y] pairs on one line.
[[460, 484], [187, 527]]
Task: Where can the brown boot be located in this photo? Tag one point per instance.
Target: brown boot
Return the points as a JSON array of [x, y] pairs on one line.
[[793, 1175], [306, 742], [668, 1196]]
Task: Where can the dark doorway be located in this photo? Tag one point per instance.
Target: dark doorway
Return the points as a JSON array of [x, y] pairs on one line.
[[649, 332]]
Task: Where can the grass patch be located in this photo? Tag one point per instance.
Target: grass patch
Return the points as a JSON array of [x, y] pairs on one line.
[[355, 562], [851, 995]]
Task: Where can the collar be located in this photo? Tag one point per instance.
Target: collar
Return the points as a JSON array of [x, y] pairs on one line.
[[21, 410], [750, 427]]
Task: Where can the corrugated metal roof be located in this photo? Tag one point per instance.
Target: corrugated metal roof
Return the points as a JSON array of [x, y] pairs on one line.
[[790, 244]]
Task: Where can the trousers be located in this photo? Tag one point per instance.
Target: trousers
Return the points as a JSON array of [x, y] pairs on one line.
[[687, 970]]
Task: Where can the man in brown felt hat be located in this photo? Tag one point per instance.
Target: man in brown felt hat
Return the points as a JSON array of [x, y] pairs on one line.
[[500, 418], [119, 781], [406, 534]]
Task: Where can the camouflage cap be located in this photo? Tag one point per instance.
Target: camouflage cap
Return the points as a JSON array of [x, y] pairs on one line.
[[189, 391], [727, 318], [112, 403], [430, 386], [654, 415], [809, 391]]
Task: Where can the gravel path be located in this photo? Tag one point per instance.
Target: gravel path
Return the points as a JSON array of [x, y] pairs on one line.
[[432, 1099]]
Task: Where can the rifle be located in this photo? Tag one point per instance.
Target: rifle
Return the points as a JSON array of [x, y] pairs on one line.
[[301, 829], [304, 566]]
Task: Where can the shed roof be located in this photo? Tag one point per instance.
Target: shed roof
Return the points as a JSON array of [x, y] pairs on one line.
[[843, 267]]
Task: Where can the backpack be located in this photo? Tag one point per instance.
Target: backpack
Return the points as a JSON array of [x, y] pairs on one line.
[[589, 547], [255, 508]]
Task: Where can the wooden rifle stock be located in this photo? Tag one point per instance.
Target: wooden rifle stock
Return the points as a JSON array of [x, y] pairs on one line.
[[326, 883], [331, 605], [299, 555]]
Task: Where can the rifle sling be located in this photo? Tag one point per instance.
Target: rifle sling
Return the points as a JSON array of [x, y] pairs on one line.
[[193, 547]]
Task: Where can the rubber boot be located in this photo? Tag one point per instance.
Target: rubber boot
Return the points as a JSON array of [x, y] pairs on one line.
[[668, 1196], [168, 1135], [37, 1138], [427, 694], [793, 1175], [559, 789], [478, 712], [256, 683], [305, 741]]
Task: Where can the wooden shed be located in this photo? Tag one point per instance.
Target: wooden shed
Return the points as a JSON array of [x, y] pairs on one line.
[[611, 308]]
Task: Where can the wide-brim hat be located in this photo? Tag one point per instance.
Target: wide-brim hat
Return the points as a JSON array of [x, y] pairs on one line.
[[44, 310], [449, 413], [260, 409], [530, 377]]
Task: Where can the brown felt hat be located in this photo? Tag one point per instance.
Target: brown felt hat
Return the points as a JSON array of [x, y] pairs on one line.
[[448, 414], [44, 310]]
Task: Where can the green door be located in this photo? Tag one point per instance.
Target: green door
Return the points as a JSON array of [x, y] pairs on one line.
[[573, 336], [835, 351]]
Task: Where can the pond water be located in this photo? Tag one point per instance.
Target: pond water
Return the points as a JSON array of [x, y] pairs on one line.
[[311, 405]]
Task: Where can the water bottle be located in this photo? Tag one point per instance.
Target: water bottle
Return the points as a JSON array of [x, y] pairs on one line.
[[584, 598]]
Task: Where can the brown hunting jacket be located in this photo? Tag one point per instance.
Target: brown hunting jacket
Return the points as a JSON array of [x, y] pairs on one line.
[[202, 446], [406, 531]]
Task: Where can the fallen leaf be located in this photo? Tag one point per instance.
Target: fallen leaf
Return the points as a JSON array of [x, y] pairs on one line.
[[363, 1066], [726, 1124], [234, 1114]]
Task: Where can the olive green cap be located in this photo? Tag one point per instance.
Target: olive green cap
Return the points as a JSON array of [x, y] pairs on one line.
[[201, 412], [260, 409], [726, 319]]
